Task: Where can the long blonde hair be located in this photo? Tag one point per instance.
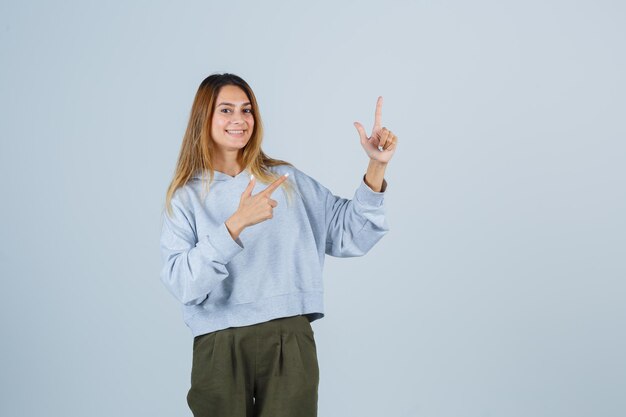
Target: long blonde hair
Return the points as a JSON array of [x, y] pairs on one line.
[[197, 147]]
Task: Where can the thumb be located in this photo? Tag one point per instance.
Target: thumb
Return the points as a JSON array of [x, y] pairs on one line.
[[248, 191], [361, 130]]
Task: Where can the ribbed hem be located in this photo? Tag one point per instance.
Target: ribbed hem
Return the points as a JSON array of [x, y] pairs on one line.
[[366, 196], [260, 311], [223, 243]]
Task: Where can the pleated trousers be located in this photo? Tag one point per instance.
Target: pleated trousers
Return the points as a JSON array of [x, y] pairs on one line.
[[268, 369]]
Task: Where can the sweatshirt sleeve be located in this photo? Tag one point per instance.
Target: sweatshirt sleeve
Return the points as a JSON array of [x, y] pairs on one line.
[[192, 267], [355, 226]]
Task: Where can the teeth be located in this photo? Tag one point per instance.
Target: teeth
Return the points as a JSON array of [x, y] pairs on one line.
[[235, 131]]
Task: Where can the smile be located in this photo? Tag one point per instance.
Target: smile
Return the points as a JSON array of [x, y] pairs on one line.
[[235, 132]]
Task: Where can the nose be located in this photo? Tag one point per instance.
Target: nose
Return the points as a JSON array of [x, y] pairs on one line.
[[237, 118]]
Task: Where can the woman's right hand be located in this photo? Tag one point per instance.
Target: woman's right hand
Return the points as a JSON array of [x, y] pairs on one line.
[[253, 209]]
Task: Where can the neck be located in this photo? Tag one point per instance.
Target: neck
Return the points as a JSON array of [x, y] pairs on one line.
[[228, 162]]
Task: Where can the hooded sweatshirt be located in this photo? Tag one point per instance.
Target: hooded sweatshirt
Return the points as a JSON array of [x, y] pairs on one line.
[[274, 268]]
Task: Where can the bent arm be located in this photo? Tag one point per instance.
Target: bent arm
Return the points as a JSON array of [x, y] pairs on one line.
[[355, 226], [193, 267]]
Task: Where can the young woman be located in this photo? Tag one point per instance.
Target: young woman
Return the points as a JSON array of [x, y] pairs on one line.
[[243, 241]]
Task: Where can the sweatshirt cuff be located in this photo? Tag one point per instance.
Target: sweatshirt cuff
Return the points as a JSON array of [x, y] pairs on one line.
[[224, 244], [364, 194]]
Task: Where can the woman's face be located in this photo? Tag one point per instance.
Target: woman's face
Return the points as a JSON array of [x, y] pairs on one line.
[[233, 122]]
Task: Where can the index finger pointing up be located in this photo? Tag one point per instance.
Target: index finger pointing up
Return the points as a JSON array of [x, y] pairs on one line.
[[273, 186], [379, 113]]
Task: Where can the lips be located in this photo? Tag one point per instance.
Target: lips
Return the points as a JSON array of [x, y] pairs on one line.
[[236, 133]]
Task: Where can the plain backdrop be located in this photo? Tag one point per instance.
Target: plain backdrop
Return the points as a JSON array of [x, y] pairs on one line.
[[500, 289]]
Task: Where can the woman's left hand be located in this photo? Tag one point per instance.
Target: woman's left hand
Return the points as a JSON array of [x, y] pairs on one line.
[[381, 145]]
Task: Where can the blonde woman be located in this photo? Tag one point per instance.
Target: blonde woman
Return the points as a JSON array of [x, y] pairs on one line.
[[243, 241]]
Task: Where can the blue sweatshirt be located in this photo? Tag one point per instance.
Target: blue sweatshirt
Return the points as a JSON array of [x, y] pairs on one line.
[[274, 268]]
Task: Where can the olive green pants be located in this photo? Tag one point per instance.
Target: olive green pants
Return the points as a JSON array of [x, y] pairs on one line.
[[268, 369]]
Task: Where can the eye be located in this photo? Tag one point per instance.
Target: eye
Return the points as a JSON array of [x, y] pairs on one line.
[[248, 110], [224, 110]]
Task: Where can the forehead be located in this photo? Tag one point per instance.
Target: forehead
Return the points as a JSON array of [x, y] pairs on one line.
[[232, 94]]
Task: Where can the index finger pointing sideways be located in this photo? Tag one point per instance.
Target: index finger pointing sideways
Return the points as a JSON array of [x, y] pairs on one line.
[[273, 186]]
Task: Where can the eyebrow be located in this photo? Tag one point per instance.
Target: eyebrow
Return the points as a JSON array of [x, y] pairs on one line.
[[232, 105]]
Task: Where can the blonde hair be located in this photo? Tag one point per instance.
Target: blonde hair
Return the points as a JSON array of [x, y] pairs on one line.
[[197, 147]]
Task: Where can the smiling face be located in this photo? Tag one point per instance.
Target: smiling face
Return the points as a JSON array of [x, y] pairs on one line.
[[233, 120]]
